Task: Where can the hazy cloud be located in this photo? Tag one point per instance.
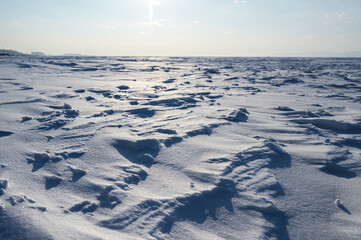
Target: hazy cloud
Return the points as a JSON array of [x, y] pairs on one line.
[[242, 1], [337, 17], [110, 27], [155, 23], [195, 22], [19, 24]]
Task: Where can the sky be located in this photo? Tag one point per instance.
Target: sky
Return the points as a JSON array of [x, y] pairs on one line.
[[181, 27]]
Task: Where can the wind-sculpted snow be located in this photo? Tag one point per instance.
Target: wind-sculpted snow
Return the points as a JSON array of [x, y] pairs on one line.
[[179, 148]]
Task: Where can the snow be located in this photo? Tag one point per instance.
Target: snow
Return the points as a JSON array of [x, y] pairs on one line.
[[179, 148]]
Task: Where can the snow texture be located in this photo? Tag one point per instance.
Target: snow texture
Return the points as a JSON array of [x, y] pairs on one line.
[[179, 148]]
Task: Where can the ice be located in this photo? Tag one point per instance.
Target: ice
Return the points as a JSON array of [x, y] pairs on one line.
[[179, 148]]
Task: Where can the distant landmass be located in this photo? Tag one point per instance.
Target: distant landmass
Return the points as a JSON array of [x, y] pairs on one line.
[[328, 54], [7, 52], [72, 55], [353, 54], [38, 54]]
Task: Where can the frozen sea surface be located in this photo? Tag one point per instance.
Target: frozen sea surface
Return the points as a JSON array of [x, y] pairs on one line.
[[180, 148]]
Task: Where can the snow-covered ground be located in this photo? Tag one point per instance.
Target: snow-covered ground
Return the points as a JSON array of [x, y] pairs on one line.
[[180, 148]]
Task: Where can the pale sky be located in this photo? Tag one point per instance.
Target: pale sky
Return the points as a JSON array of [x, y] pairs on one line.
[[181, 27]]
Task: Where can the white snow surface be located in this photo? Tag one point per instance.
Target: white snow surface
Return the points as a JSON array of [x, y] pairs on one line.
[[180, 148]]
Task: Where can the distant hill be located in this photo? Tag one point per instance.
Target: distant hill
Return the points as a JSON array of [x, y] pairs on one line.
[[38, 54], [6, 52]]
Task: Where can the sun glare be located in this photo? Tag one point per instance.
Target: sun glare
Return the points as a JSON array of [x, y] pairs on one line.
[[151, 2]]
